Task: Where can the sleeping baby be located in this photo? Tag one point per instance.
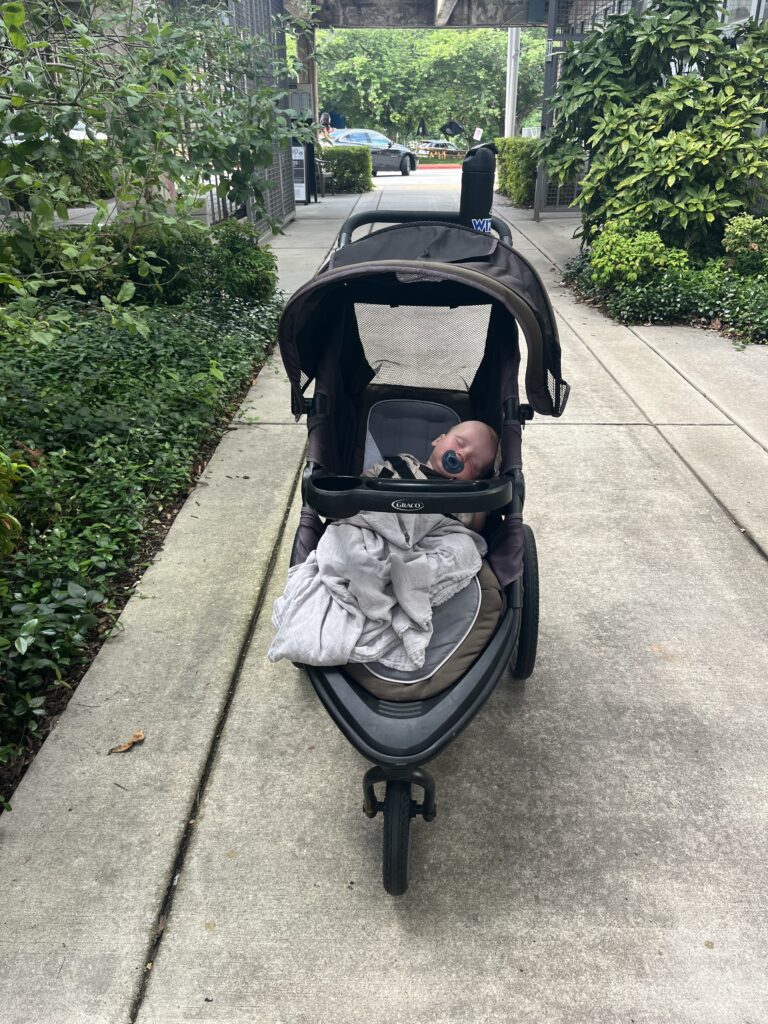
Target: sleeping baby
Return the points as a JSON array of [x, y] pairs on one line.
[[466, 452]]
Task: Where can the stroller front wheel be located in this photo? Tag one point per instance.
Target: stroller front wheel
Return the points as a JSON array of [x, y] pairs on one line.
[[397, 837]]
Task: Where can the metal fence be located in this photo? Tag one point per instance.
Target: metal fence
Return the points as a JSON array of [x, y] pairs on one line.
[[258, 18]]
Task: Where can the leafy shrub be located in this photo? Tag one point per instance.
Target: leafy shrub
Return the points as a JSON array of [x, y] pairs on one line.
[[651, 285], [89, 174], [11, 472], [656, 300], [517, 162], [744, 306], [350, 167], [662, 107], [725, 298], [578, 273], [623, 256], [746, 242], [241, 268], [171, 262], [183, 101], [113, 423]]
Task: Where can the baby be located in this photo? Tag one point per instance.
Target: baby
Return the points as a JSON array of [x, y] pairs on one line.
[[466, 452]]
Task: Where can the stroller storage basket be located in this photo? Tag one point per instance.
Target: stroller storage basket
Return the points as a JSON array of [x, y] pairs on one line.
[[338, 497]]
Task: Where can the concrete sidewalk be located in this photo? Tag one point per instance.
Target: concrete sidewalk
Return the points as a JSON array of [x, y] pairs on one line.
[[600, 849]]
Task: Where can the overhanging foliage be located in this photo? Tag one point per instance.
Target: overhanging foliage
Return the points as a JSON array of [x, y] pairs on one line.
[[170, 99], [388, 79], [664, 110]]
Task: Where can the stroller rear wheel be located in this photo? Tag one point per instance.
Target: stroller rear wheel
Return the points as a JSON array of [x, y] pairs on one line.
[[397, 837], [529, 626]]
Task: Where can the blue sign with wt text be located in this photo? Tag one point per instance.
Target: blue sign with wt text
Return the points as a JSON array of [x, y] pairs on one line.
[[482, 224]]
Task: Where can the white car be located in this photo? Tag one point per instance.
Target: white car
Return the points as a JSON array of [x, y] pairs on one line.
[[437, 147]]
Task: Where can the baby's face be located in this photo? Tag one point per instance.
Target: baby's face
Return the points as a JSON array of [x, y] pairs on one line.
[[473, 442]]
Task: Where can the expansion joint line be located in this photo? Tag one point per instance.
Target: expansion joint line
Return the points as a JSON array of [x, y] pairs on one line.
[[191, 816], [743, 530]]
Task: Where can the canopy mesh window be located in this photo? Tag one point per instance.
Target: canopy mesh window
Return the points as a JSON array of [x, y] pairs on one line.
[[427, 346]]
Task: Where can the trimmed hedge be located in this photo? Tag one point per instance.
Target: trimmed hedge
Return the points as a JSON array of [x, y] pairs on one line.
[[517, 161], [350, 167], [112, 425]]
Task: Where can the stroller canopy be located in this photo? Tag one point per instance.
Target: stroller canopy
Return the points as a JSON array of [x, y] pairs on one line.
[[425, 264]]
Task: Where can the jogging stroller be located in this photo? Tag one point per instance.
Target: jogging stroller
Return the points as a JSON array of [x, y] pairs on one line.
[[418, 323]]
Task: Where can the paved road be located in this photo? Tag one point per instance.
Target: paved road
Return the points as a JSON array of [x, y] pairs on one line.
[[600, 848]]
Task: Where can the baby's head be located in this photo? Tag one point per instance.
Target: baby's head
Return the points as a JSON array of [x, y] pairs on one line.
[[474, 442]]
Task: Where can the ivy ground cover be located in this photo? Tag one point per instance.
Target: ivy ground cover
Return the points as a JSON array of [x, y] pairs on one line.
[[113, 427]]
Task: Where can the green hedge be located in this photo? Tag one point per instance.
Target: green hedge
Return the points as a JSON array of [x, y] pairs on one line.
[[516, 161], [350, 167], [639, 280], [111, 424]]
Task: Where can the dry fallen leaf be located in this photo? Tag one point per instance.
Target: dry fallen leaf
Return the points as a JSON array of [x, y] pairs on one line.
[[138, 737]]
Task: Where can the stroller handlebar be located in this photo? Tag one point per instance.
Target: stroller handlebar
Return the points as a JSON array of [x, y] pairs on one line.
[[357, 220], [338, 497]]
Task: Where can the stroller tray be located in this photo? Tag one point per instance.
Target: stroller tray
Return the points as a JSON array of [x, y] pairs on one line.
[[337, 497]]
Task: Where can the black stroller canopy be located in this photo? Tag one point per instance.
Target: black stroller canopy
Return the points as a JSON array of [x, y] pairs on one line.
[[423, 264]]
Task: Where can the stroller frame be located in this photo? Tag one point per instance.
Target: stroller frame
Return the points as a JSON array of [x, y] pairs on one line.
[[400, 737]]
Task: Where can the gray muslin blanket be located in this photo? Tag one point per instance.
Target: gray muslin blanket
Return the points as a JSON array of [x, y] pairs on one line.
[[367, 592]]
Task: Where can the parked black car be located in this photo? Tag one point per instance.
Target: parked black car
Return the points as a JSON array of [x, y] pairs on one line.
[[386, 155]]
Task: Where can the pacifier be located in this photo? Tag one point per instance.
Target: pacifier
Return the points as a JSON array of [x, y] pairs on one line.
[[452, 463]]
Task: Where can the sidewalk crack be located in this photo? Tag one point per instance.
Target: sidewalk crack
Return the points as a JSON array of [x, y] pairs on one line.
[[174, 875]]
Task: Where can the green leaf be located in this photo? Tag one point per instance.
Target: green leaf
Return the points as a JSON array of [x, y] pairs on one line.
[[671, 179], [18, 39], [21, 644], [14, 14], [76, 591], [127, 291], [27, 122]]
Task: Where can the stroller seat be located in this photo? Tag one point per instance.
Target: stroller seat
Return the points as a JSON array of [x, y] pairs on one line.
[[464, 648], [463, 625], [405, 425]]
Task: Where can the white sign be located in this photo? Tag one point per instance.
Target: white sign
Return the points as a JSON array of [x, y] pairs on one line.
[[478, 134], [299, 174]]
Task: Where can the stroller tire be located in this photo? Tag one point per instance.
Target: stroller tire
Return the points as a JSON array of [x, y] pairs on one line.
[[529, 626], [397, 837]]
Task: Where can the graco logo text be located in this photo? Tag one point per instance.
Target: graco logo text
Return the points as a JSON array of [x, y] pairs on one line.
[[408, 506], [482, 224]]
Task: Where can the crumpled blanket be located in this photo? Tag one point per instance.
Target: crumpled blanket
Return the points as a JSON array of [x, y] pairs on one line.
[[367, 592]]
